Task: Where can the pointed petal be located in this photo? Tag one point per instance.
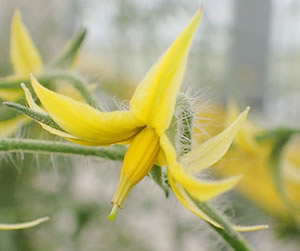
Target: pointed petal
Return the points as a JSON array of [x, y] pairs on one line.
[[185, 199], [23, 225], [199, 189], [50, 129], [205, 190], [24, 55], [154, 99], [213, 149], [137, 163], [84, 121], [246, 136]]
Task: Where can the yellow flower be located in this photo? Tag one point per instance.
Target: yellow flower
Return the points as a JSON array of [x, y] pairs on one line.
[[144, 128], [25, 59], [24, 56], [252, 160]]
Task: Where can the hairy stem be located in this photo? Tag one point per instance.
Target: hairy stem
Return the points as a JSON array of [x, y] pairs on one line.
[[233, 238], [116, 152], [78, 82]]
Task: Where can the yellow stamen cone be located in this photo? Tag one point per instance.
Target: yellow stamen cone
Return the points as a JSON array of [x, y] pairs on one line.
[[138, 161]]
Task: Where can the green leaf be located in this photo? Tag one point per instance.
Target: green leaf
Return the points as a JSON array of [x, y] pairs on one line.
[[69, 52]]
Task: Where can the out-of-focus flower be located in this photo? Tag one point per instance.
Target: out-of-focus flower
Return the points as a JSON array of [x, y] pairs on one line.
[[251, 159], [26, 59], [144, 128], [24, 56]]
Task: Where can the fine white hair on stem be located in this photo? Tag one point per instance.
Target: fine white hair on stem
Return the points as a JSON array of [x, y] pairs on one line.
[[11, 159], [122, 105], [54, 164], [201, 101]]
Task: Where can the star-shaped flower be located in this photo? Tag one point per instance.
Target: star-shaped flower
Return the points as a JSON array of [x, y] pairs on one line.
[[144, 127]]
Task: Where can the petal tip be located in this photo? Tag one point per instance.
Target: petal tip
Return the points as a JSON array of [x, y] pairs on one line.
[[23, 86], [34, 82], [250, 228], [201, 9], [17, 15], [43, 219]]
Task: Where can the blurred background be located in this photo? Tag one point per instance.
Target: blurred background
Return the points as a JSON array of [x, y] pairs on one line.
[[249, 50]]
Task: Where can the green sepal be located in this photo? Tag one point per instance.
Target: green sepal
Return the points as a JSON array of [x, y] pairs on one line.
[[37, 116], [70, 51], [160, 178], [7, 114], [181, 128]]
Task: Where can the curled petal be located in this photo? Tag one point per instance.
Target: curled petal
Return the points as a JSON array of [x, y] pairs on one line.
[[84, 121], [154, 99], [23, 225], [185, 199], [208, 153], [50, 129], [24, 55], [199, 189]]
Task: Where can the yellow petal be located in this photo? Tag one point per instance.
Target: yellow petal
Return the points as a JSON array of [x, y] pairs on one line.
[[204, 190], [212, 150], [185, 199], [84, 121], [138, 161], [154, 99], [10, 126], [50, 129], [199, 189], [23, 225], [24, 55], [161, 159], [245, 138]]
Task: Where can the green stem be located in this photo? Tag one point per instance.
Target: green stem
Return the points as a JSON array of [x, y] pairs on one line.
[[233, 238], [116, 152], [276, 171], [78, 82], [180, 132]]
